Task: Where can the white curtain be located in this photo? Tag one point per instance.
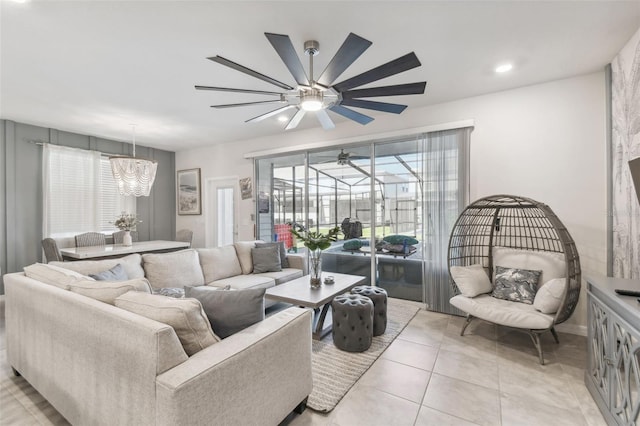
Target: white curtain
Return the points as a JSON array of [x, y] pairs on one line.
[[79, 195], [446, 193]]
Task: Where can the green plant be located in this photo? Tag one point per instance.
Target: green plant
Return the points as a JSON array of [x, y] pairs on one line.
[[126, 221], [317, 240]]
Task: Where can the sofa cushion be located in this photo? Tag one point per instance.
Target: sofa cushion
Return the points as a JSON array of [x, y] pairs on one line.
[[503, 312], [400, 239], [243, 251], [117, 273], [266, 259], [175, 269], [186, 316], [286, 274], [241, 282], [229, 311], [516, 285], [54, 275], [219, 262], [132, 265], [471, 280], [284, 262], [552, 265], [549, 296], [108, 291]]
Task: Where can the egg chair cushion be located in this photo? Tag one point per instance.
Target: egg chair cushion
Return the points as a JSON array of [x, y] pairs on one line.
[[552, 265], [503, 312], [471, 280]]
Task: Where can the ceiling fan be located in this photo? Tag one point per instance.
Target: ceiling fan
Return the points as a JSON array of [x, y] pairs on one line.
[[321, 94]]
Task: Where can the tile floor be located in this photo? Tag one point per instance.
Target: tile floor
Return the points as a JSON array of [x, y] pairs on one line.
[[428, 376]]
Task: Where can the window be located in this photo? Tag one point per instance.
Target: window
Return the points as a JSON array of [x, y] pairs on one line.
[[80, 194]]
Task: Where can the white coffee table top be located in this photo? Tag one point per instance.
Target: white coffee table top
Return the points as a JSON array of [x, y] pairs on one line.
[[299, 292]]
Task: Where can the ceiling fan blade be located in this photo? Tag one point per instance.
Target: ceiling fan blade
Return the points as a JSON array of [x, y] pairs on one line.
[[325, 120], [246, 104], [223, 61], [378, 106], [229, 89], [351, 49], [269, 114], [399, 89], [284, 47], [295, 120], [351, 114], [403, 63]]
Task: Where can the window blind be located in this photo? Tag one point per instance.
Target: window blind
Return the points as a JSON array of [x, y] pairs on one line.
[[80, 194]]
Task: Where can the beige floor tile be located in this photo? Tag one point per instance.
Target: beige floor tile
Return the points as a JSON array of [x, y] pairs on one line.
[[411, 354], [367, 406], [430, 417], [397, 379], [470, 402], [474, 346], [426, 328], [521, 410], [588, 406], [12, 412], [546, 384], [463, 367]]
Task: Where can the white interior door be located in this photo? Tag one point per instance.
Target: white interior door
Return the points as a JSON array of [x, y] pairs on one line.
[[222, 211]]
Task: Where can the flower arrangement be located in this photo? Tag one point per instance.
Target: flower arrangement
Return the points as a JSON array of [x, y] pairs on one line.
[[127, 221], [316, 242]]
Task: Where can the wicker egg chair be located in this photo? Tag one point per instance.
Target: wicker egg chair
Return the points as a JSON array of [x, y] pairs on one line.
[[518, 223]]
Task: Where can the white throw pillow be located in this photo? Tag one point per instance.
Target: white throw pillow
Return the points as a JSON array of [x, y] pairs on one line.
[[551, 264], [471, 280], [108, 291], [175, 269], [186, 316], [243, 250], [219, 262], [53, 275], [132, 265], [549, 296]]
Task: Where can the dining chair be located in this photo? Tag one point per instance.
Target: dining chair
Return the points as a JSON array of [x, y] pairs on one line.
[[90, 239], [117, 236], [51, 252], [185, 235]]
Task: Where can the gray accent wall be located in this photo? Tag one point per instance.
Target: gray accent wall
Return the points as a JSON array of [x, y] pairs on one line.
[[21, 190]]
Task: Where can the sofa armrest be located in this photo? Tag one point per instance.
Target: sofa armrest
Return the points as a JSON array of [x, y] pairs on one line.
[[298, 261], [257, 376]]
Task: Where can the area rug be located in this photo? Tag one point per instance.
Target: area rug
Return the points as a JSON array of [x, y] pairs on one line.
[[336, 371]]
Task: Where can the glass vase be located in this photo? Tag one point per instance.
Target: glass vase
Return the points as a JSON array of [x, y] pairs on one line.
[[315, 268]]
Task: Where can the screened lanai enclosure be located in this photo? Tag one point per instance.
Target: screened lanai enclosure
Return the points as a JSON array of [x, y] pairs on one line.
[[396, 201]]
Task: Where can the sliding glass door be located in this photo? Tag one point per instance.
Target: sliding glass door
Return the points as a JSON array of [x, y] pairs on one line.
[[395, 201]]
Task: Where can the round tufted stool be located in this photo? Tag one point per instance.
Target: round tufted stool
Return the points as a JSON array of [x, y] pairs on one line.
[[352, 322], [379, 298]]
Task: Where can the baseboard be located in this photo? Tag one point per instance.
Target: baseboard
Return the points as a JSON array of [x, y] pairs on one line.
[[580, 330]]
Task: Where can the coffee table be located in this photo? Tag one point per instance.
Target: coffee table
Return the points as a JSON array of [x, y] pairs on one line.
[[298, 292]]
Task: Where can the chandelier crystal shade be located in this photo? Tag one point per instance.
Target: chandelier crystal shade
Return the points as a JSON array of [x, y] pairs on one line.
[[134, 176]]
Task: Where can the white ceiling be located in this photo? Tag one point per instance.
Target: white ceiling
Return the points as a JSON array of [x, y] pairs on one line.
[[94, 67]]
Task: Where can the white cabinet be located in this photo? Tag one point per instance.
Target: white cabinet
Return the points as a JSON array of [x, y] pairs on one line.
[[613, 368]]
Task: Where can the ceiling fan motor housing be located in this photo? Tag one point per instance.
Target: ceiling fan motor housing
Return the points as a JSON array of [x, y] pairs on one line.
[[311, 47]]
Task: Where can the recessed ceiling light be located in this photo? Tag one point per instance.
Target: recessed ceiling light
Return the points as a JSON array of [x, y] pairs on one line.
[[282, 118], [20, 1], [504, 68]]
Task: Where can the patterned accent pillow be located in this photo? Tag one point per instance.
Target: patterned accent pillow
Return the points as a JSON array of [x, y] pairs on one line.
[[515, 285]]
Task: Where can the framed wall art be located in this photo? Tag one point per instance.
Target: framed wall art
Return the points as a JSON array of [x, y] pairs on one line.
[[189, 196]]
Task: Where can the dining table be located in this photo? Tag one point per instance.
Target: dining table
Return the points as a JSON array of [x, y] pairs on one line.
[[120, 250]]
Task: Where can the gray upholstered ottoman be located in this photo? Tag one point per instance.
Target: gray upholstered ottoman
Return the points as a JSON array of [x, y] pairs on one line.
[[352, 322], [379, 298]]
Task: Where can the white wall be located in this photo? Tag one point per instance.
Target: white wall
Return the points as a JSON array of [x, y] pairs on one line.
[[546, 142]]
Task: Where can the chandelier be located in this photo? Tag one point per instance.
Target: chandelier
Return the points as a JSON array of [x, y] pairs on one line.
[[134, 176]]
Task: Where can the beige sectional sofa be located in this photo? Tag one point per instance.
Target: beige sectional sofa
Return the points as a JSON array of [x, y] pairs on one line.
[[100, 364]]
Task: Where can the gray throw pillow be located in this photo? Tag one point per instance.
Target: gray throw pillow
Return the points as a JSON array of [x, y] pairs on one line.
[[266, 259], [229, 311], [284, 262], [117, 273], [516, 285]]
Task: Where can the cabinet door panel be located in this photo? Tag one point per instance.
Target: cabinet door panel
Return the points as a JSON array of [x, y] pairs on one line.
[[625, 372], [598, 367]]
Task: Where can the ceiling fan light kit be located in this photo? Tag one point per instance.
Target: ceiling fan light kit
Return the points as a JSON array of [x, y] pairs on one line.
[[321, 95]]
